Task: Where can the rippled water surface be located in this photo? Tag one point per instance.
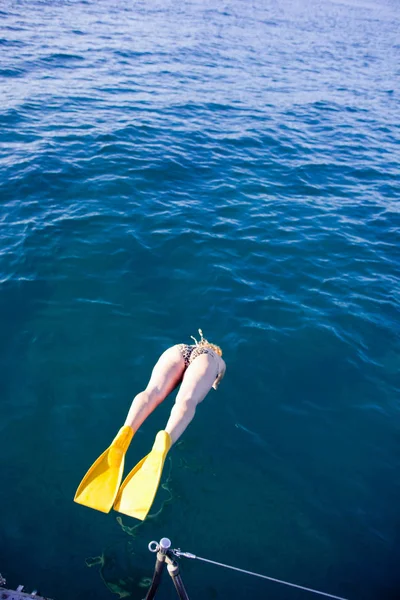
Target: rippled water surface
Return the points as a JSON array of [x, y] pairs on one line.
[[233, 166]]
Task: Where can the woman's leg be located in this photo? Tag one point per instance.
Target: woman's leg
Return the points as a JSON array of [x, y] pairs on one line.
[[166, 375], [197, 382]]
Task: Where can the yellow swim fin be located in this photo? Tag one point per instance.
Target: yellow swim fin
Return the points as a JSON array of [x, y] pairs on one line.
[[99, 487], [137, 492]]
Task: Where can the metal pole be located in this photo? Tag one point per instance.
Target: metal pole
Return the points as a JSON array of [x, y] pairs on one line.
[[163, 548], [173, 570]]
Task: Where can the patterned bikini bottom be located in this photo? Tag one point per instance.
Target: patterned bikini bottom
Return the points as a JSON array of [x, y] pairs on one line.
[[189, 353]]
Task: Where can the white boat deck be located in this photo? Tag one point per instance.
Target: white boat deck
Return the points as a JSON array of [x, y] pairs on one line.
[[18, 594]]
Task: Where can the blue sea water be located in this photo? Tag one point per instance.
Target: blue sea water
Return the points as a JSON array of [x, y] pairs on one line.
[[233, 166]]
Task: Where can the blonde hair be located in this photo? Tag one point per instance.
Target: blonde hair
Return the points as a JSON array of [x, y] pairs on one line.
[[206, 344]]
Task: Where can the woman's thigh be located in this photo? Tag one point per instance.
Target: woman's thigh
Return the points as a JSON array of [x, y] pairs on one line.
[[198, 379], [167, 373]]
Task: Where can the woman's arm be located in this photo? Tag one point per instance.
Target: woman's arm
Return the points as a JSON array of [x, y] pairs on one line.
[[220, 375]]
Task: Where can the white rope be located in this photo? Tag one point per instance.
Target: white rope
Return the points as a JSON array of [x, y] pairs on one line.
[[300, 587]]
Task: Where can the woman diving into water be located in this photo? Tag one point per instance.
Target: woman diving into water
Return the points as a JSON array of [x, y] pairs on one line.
[[198, 368]]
